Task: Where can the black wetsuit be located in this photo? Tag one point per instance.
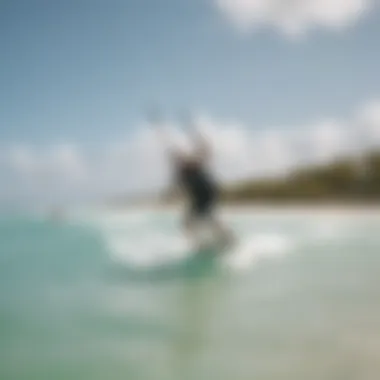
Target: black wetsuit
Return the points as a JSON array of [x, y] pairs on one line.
[[199, 187]]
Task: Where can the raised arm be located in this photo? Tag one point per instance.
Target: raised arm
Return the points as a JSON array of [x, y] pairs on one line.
[[156, 121], [202, 147]]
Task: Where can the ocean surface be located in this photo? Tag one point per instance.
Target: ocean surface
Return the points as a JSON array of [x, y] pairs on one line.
[[106, 295]]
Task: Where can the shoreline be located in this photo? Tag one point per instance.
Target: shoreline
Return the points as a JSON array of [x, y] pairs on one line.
[[283, 207]]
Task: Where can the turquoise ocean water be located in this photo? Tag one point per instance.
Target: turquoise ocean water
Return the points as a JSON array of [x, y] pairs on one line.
[[120, 296]]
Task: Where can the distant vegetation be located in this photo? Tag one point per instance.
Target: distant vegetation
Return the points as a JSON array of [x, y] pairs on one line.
[[342, 180]]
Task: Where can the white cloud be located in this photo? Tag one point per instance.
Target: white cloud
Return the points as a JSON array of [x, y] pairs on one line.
[[21, 159], [329, 139], [369, 122], [53, 167], [68, 160], [137, 162], [294, 17]]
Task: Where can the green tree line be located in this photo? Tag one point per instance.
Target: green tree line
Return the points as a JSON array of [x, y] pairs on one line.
[[344, 179]]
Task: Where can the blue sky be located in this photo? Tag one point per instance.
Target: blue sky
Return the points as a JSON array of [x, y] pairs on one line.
[[80, 74]]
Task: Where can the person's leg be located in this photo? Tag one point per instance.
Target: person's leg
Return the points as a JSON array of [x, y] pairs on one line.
[[217, 227], [190, 226], [220, 230]]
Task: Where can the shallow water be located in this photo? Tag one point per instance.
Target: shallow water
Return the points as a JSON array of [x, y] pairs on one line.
[[120, 296]]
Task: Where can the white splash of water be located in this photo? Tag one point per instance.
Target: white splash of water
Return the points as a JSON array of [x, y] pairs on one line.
[[251, 250], [140, 240]]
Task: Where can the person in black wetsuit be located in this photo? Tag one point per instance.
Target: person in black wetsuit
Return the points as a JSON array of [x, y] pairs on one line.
[[199, 188]]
